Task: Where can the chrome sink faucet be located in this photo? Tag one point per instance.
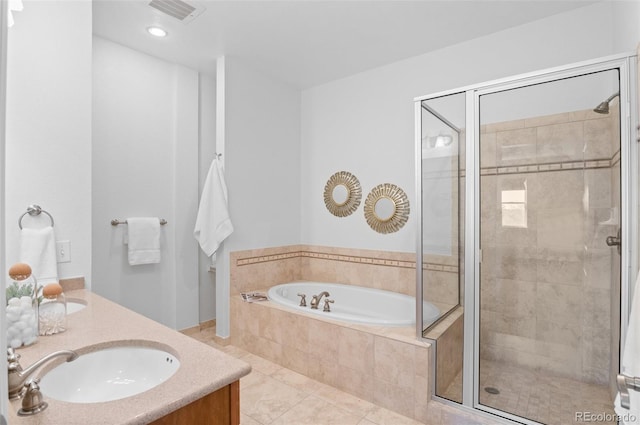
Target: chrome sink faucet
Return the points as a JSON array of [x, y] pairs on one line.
[[315, 300], [17, 376]]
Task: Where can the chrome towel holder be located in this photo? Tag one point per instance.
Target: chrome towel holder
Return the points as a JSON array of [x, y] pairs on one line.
[[116, 222], [34, 210]]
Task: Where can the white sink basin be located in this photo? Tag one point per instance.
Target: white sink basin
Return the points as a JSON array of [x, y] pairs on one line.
[[109, 374]]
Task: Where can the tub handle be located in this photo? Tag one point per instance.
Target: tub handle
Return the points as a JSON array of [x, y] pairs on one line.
[[303, 300], [326, 305]]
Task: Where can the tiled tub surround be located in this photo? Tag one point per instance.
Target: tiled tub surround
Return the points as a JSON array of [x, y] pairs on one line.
[[386, 366], [450, 344], [391, 271], [546, 286]]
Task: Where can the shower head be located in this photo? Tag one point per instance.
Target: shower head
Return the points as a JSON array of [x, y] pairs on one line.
[[603, 107]]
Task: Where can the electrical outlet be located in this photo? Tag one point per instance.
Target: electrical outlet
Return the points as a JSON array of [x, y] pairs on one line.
[[63, 251]]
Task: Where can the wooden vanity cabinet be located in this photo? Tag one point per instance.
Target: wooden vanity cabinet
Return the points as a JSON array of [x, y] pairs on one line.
[[221, 407]]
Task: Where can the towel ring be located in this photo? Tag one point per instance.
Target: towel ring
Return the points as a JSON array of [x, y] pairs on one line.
[[34, 210]]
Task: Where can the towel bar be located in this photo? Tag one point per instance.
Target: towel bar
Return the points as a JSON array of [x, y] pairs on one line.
[[34, 210], [115, 222]]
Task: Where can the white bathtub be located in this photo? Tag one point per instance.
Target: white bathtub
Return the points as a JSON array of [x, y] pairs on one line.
[[354, 304]]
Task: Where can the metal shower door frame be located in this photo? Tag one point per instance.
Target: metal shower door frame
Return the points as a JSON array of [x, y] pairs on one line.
[[626, 64]]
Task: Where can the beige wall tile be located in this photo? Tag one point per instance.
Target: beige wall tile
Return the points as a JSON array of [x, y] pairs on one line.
[[449, 352], [513, 298], [295, 333], [355, 350], [355, 382], [488, 150], [596, 304], [598, 134], [562, 302], [323, 339], [561, 265], [393, 362], [441, 287], [554, 331], [393, 397], [271, 323], [595, 355], [521, 325], [560, 189], [560, 227], [517, 263], [323, 369], [598, 186], [294, 359], [267, 349], [560, 142], [516, 147], [598, 266]]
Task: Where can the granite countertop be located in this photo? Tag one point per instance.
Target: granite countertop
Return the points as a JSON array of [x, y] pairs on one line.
[[203, 369]]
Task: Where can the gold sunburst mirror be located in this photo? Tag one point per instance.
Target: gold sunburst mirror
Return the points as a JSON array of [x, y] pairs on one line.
[[386, 208], [342, 194]]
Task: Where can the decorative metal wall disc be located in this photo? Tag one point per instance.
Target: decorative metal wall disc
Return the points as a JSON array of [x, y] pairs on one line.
[[386, 208], [342, 194]]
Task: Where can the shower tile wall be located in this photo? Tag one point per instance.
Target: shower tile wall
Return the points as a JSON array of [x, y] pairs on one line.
[[546, 293]]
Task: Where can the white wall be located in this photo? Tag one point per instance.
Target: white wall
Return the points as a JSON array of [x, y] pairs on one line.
[[48, 149], [207, 150], [262, 148], [3, 98], [145, 147], [626, 26], [262, 161], [365, 123]]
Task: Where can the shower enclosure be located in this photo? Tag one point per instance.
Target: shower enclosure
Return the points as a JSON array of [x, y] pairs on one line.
[[528, 203]]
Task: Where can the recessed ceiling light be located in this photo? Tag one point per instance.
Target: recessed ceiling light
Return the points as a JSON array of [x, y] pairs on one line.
[[157, 31]]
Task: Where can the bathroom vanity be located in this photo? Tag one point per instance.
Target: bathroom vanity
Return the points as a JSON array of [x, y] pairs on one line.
[[204, 390]]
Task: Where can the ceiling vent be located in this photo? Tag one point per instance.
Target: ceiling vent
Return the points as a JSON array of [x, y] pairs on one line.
[[178, 9]]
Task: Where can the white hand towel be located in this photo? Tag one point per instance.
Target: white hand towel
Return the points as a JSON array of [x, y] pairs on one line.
[[38, 249], [213, 224], [143, 238], [631, 361]]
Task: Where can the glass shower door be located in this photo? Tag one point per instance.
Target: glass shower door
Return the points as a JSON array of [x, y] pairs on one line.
[[549, 285], [441, 248]]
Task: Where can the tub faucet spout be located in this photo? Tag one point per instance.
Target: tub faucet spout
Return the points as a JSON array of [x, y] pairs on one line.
[[17, 376], [315, 300]]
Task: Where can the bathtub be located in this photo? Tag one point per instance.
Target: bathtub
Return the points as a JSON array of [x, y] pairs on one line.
[[354, 304]]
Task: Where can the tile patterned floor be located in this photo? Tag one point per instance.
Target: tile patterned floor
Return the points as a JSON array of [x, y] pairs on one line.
[[547, 399], [273, 395]]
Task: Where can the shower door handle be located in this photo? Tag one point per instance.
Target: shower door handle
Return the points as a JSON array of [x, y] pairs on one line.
[[615, 240]]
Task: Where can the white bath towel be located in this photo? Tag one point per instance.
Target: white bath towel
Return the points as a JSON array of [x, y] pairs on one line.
[[213, 224], [631, 361], [143, 238], [38, 249]]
